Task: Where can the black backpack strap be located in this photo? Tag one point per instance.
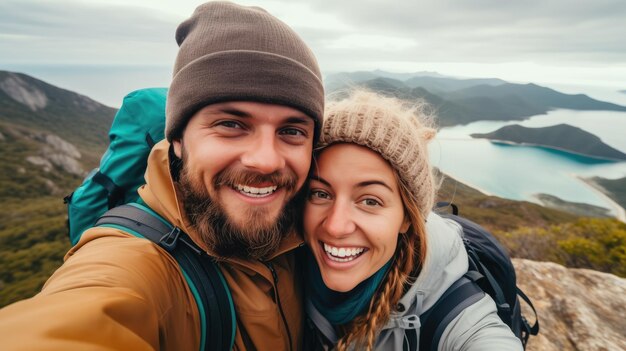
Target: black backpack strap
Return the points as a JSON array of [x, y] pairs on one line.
[[115, 193], [527, 330], [460, 295], [201, 272]]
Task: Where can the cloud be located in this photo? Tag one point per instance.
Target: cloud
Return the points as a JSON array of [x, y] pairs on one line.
[[345, 35], [491, 30], [71, 31]]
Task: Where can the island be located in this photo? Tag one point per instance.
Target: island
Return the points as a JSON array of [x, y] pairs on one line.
[[561, 137]]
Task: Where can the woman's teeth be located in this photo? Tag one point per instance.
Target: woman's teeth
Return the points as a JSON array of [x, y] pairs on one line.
[[342, 254], [255, 192]]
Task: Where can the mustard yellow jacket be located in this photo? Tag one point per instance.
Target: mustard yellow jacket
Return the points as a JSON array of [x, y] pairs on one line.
[[118, 292]]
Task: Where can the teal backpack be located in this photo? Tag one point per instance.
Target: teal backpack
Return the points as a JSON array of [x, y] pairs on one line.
[[108, 198]]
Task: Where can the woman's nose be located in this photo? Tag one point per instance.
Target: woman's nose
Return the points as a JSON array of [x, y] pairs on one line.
[[339, 221]]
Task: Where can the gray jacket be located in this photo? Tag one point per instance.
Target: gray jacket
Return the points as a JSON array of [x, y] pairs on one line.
[[478, 327]]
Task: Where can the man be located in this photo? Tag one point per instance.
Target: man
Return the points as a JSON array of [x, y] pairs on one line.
[[243, 112]]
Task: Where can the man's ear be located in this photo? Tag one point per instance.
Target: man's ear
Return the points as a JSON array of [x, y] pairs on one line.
[[177, 144]]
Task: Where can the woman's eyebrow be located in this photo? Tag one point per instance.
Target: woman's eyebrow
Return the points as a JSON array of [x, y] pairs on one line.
[[373, 182], [320, 179]]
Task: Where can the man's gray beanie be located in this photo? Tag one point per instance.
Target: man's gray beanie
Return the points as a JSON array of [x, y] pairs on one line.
[[230, 52]]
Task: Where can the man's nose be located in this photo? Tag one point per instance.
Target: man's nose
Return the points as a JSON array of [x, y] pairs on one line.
[[263, 154], [339, 222]]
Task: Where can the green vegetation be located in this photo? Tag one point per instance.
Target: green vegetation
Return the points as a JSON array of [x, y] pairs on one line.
[[33, 233], [498, 214], [33, 241], [577, 208], [530, 231], [594, 243]]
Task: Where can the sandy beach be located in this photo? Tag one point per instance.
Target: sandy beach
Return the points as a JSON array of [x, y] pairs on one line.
[[619, 211]]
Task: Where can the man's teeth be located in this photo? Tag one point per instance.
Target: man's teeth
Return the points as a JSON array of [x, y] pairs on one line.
[[255, 192], [343, 254]]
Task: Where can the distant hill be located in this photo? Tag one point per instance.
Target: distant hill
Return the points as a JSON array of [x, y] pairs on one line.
[[561, 136], [446, 84], [38, 106], [49, 139], [535, 95], [462, 101]]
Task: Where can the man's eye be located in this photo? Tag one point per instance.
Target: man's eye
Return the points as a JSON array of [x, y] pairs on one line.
[[292, 132], [230, 124]]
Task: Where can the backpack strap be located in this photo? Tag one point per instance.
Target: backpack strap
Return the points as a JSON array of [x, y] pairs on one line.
[[460, 295], [527, 330], [205, 280], [114, 193]]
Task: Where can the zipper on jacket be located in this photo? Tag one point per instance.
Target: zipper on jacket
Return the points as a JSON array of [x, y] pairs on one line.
[[280, 307]]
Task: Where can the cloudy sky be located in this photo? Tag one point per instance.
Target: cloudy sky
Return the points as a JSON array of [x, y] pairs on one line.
[[568, 42]]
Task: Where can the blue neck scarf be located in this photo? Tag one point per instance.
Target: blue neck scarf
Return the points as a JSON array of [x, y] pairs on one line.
[[340, 307]]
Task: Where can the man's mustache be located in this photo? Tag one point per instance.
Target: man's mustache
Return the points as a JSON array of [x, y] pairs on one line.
[[230, 177]]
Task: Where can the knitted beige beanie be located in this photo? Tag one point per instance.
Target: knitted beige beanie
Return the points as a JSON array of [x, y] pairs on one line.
[[397, 132], [230, 52]]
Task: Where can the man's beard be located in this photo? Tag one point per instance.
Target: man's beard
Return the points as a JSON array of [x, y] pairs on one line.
[[257, 236]]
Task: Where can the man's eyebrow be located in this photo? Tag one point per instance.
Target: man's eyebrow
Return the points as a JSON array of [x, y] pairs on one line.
[[299, 120], [234, 112]]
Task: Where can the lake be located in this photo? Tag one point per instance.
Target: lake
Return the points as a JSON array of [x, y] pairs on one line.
[[519, 172]]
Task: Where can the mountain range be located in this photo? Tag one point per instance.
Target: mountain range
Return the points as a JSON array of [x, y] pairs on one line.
[[462, 101]]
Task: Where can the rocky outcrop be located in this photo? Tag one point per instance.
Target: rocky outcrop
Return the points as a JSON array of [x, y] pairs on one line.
[[56, 152], [55, 144], [579, 309], [22, 92]]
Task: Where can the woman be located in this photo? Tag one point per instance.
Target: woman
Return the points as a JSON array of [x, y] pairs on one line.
[[378, 257]]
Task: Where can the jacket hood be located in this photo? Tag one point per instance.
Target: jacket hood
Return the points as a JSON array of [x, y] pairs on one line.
[[160, 195]]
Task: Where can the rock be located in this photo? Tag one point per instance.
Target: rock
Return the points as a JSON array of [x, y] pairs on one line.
[[22, 92], [53, 189], [57, 152], [578, 309], [65, 162], [40, 161], [58, 145]]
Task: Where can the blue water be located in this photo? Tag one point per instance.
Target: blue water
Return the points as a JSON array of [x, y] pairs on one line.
[[519, 172]]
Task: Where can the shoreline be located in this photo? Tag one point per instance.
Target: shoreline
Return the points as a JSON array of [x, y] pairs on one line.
[[596, 157], [620, 212]]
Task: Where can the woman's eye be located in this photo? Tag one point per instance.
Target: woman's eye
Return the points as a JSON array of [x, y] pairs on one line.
[[371, 202], [319, 195]]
